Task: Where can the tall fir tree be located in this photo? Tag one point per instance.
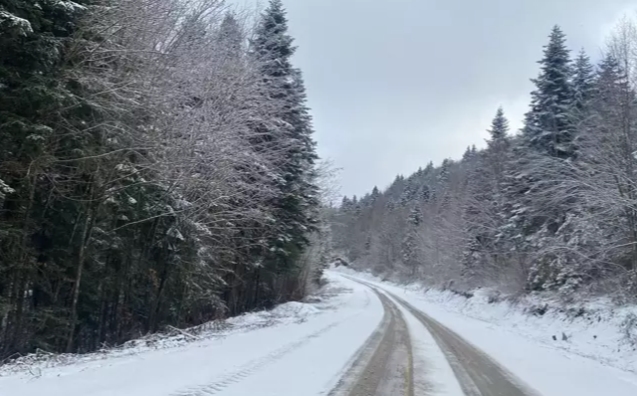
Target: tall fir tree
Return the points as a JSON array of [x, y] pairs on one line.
[[499, 126], [548, 127], [583, 83], [33, 40], [608, 80], [297, 194]]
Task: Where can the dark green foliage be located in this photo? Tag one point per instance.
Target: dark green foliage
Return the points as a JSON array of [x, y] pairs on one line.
[[296, 197], [548, 127], [98, 241]]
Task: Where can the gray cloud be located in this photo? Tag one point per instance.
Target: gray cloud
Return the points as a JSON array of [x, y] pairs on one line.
[[395, 84]]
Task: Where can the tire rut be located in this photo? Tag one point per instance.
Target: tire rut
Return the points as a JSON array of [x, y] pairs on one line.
[[221, 383], [384, 365], [477, 373]]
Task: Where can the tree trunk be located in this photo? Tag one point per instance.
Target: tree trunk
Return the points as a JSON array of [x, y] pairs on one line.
[[78, 280]]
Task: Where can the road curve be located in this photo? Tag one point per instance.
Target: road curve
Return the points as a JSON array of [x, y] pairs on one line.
[[384, 365], [477, 373]]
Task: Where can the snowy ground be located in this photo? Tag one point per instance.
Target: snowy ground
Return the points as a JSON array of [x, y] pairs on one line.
[[301, 355], [312, 349], [523, 343]]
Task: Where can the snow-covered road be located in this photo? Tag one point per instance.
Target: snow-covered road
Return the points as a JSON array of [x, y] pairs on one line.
[[359, 338], [546, 370]]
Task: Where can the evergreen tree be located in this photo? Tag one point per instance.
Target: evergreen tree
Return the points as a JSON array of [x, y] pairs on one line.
[[468, 154], [33, 36], [297, 195], [548, 127], [425, 193], [445, 170], [583, 83], [231, 37], [137, 190], [610, 79], [499, 127], [498, 147], [409, 192], [415, 217], [375, 195]]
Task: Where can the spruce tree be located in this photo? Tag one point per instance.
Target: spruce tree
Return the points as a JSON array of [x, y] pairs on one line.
[[610, 78], [583, 83], [499, 126], [297, 195], [468, 154], [230, 37], [374, 195], [33, 38], [548, 127]]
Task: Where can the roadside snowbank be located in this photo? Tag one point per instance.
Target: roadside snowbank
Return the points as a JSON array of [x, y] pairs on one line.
[[595, 329], [296, 349], [287, 313]]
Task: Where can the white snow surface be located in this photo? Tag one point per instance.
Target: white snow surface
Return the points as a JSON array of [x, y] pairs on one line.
[[295, 349], [523, 343], [303, 349]]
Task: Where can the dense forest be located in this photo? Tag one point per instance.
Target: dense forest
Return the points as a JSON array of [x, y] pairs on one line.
[[157, 167], [552, 207]]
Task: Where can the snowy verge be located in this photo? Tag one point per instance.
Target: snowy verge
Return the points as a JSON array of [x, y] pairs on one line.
[[287, 313], [596, 329], [304, 350]]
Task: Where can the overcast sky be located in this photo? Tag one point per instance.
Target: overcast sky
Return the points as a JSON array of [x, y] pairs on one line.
[[394, 84]]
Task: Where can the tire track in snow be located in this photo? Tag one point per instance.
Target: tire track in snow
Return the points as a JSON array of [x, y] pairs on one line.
[[223, 382], [384, 364], [477, 372], [355, 366]]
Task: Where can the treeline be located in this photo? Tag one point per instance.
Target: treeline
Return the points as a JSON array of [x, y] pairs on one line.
[[553, 207], [157, 168]]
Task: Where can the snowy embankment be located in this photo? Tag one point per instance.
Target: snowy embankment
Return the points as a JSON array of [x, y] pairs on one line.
[[292, 312], [280, 352], [593, 358]]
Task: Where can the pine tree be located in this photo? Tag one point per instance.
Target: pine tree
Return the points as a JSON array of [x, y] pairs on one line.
[[409, 192], [499, 127], [297, 200], [610, 77], [415, 217], [583, 84], [468, 154], [498, 146], [424, 194], [33, 36], [375, 195], [230, 37], [548, 127]]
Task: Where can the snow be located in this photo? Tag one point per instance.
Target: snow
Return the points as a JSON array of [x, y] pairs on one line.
[[69, 6], [432, 373], [303, 348], [288, 313], [5, 189], [281, 352], [23, 26], [523, 343]]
